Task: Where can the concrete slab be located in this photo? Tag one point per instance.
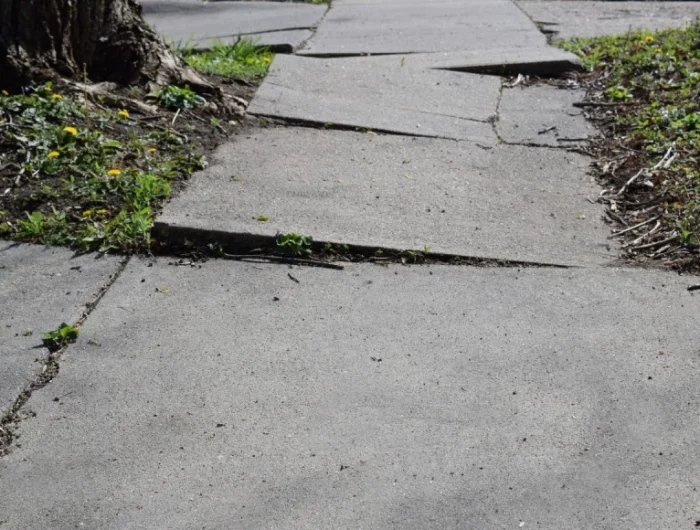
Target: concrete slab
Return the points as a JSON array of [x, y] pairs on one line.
[[354, 27], [40, 287], [201, 24], [543, 115], [386, 398], [364, 93], [505, 202], [509, 61], [571, 18]]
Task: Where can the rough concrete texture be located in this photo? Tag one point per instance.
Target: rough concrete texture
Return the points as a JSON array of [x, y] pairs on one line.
[[590, 19], [504, 202], [511, 61], [543, 115], [364, 93], [353, 27], [40, 287], [385, 398], [201, 24]]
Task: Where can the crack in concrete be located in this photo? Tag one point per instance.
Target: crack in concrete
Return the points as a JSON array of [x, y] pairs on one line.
[[248, 246], [11, 419]]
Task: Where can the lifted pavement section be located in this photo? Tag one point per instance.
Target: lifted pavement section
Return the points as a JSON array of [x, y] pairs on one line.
[[543, 115], [571, 18], [355, 27], [505, 202], [380, 94], [393, 397], [278, 24], [40, 287]]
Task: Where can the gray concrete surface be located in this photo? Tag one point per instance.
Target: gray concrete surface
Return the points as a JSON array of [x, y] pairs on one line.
[[364, 93], [354, 27], [504, 398], [40, 287], [200, 24], [543, 115], [591, 18], [505, 202]]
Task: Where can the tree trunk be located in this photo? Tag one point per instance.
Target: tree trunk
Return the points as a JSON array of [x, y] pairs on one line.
[[107, 40]]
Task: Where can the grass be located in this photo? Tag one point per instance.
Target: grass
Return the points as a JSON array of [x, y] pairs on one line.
[[645, 91], [87, 179], [243, 60]]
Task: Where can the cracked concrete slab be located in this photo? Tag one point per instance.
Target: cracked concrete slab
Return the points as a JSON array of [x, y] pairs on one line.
[[364, 93], [543, 115], [353, 27], [571, 18], [515, 203], [280, 24], [411, 398], [40, 287]]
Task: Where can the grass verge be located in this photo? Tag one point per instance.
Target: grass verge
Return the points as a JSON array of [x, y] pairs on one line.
[[89, 178], [644, 93]]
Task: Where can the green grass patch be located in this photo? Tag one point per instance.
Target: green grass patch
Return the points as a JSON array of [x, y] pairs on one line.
[[645, 90], [243, 60], [87, 179]]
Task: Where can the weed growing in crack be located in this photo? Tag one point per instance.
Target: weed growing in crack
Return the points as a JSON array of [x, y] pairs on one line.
[[60, 337], [294, 244]]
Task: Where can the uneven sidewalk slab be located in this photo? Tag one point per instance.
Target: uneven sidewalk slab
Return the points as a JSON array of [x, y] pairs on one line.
[[354, 27], [543, 115], [387, 398], [364, 93], [505, 202], [548, 61], [571, 18], [279, 24], [40, 287]]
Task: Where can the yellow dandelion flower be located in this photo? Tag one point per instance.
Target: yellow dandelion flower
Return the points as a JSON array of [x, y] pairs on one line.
[[87, 212], [114, 172], [101, 212], [71, 130], [53, 154], [649, 38], [57, 96], [123, 114], [267, 59], [152, 149]]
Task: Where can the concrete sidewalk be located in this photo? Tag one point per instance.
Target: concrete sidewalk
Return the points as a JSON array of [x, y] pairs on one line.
[[558, 395]]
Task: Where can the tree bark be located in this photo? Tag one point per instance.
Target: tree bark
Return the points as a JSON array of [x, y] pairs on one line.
[[105, 40]]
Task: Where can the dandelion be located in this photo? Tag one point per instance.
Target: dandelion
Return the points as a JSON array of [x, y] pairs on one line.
[[71, 130], [267, 60], [649, 38], [123, 114], [5, 93], [87, 213], [53, 154], [114, 172], [57, 96], [101, 212], [152, 149]]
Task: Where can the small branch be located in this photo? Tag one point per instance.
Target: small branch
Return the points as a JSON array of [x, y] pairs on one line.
[[657, 243], [617, 234], [284, 259]]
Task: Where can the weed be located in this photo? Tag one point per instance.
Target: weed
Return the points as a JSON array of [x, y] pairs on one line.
[[295, 244], [175, 97], [60, 337]]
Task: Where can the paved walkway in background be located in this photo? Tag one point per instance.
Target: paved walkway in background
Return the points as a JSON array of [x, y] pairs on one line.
[[237, 395]]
